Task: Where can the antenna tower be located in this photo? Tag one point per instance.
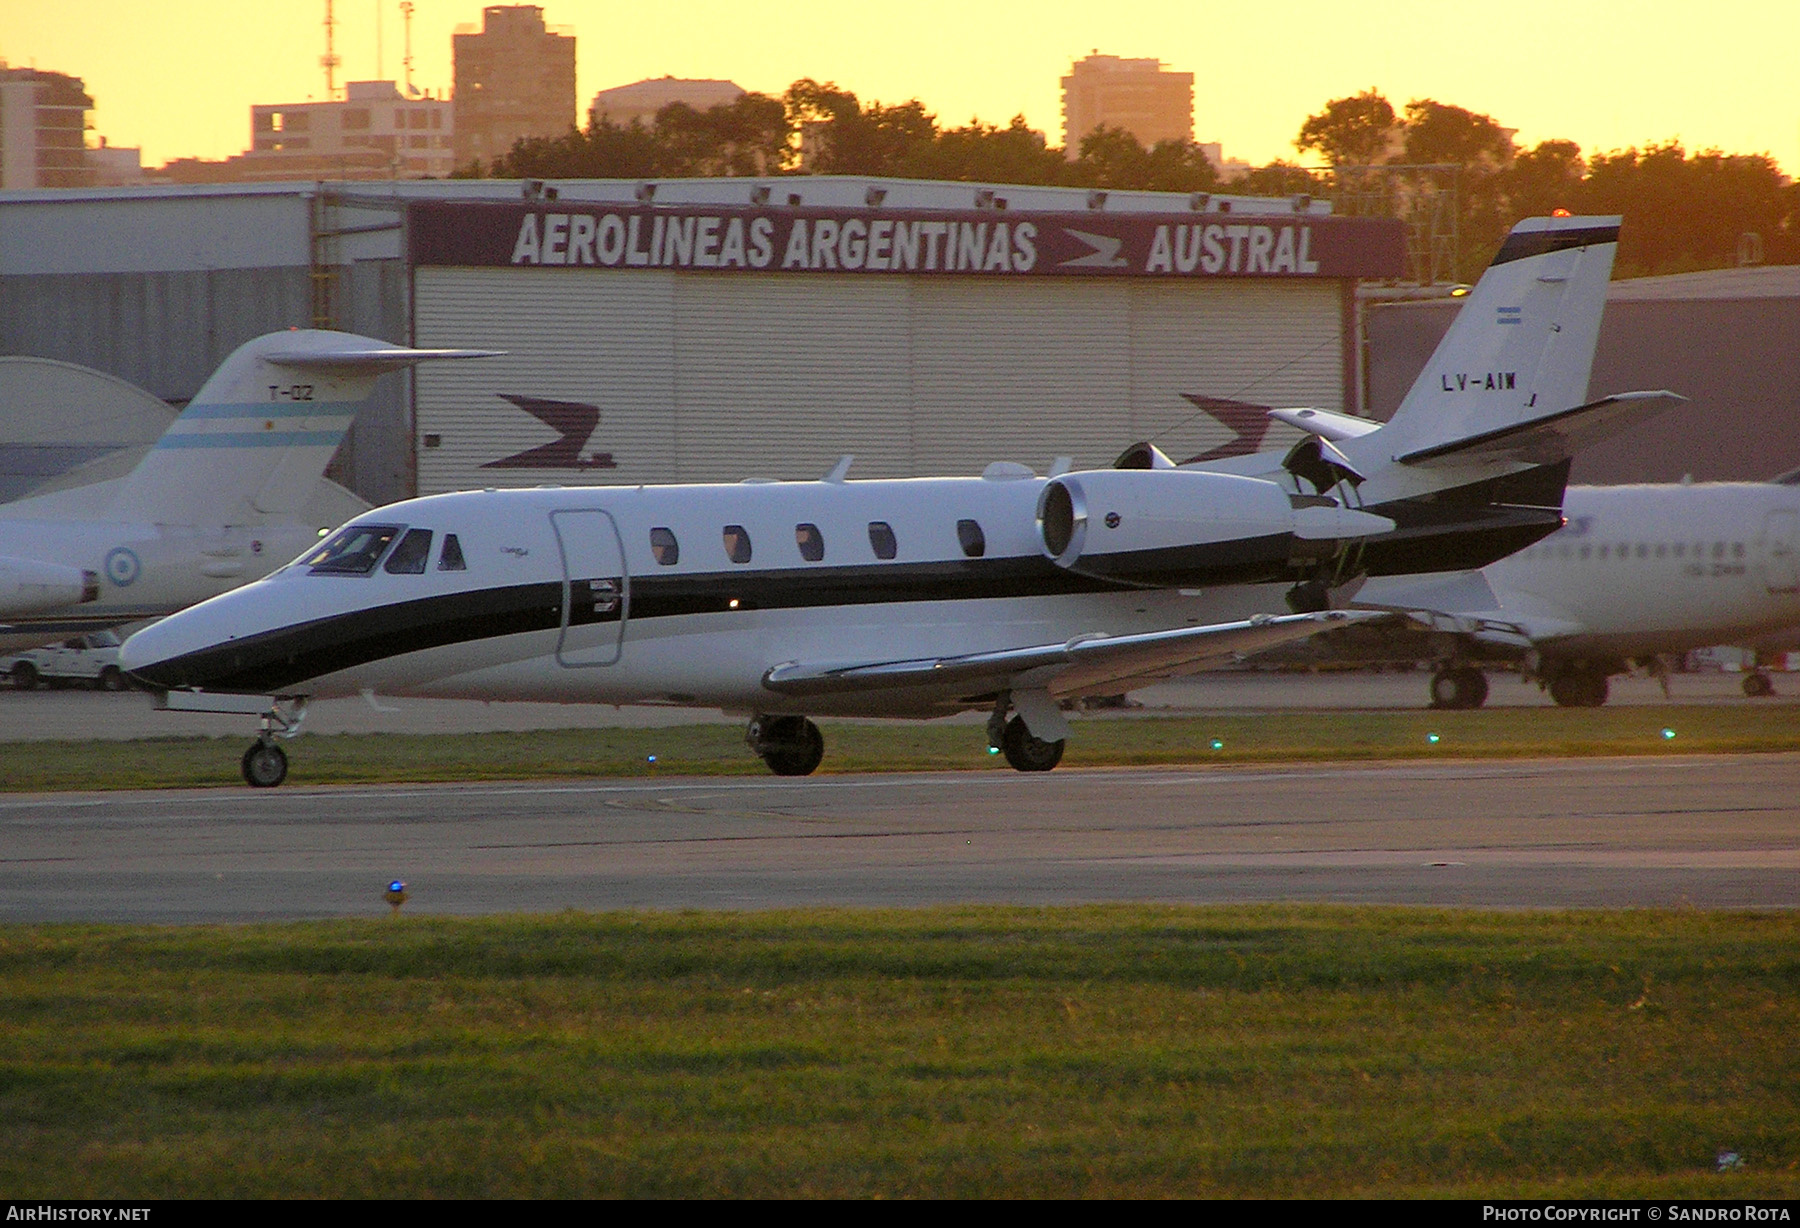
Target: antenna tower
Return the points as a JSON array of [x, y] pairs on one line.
[[406, 12], [329, 61]]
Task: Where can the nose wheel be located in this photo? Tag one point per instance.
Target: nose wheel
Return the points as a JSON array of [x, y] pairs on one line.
[[265, 765]]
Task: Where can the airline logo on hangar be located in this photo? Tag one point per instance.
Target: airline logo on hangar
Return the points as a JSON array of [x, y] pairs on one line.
[[865, 243]]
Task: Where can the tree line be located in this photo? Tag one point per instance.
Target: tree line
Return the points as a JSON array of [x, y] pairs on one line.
[[1455, 175]]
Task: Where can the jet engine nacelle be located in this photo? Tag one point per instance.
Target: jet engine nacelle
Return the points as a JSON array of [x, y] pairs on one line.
[[1180, 526], [28, 586]]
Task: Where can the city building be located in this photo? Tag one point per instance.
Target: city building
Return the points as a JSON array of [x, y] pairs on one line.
[[43, 130], [1140, 96], [374, 132], [641, 100], [513, 79]]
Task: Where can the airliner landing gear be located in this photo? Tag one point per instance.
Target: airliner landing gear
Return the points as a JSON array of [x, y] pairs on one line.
[[790, 745], [1757, 685], [1579, 687], [265, 765], [1026, 753], [1461, 687]]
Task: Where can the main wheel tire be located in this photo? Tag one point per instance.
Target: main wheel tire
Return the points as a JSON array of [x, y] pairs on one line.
[[1463, 687], [793, 746], [265, 765], [1758, 686], [1580, 688], [1026, 753], [24, 676], [112, 678]]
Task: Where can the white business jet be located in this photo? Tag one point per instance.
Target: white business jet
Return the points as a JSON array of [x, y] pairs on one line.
[[231, 490], [1007, 592]]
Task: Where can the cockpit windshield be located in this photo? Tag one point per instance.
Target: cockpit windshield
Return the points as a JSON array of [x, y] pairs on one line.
[[352, 551]]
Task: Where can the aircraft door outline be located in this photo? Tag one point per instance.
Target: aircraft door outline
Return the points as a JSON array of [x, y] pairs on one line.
[[596, 588], [1781, 562]]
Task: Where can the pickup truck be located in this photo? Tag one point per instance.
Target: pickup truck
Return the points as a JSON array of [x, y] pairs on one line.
[[88, 660]]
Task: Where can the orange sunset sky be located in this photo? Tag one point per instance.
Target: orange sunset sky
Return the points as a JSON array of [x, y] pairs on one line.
[[178, 78]]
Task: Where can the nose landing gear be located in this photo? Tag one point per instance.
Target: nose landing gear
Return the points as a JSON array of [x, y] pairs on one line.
[[264, 765]]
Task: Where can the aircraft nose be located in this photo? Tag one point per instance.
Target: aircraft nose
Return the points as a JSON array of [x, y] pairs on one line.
[[149, 656]]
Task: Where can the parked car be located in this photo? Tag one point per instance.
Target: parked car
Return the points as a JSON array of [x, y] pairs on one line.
[[91, 660]]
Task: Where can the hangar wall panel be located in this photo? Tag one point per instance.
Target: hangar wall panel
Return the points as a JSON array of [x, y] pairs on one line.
[[709, 377], [1276, 344], [765, 366], [610, 344], [164, 332]]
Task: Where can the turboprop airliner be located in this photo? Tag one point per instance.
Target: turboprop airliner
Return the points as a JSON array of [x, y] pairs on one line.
[[1007, 592], [230, 491]]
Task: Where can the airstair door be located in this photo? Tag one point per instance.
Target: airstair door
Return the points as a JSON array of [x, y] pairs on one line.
[[1781, 559], [596, 588]]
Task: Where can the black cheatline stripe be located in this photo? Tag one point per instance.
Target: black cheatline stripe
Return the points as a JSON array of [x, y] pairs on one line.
[[1542, 242], [272, 661]]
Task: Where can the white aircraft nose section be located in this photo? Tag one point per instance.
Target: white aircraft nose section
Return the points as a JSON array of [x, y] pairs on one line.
[[165, 653]]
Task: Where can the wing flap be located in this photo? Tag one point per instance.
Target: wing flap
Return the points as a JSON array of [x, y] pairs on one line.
[[1083, 665]]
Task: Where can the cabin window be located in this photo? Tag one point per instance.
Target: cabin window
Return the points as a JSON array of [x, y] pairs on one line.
[[352, 551], [1718, 550], [665, 548], [1604, 549], [1662, 550], [408, 558], [881, 540], [974, 542], [452, 557], [810, 541], [737, 543], [1737, 550], [1643, 551]]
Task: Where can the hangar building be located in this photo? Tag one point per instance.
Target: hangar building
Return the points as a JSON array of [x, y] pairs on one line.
[[698, 330]]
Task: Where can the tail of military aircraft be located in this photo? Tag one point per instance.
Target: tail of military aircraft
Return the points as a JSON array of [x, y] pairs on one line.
[[255, 440]]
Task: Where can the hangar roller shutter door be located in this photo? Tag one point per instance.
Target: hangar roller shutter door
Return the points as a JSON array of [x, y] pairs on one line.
[[714, 377]]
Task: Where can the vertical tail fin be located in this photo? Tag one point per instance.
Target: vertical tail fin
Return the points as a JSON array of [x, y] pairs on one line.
[[1522, 347], [256, 438]]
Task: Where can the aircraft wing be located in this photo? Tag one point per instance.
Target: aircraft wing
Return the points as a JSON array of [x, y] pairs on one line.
[[1464, 603], [1085, 665], [1547, 440]]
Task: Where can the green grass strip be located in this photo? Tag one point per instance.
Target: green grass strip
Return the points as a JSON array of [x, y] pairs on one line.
[[1102, 1051], [913, 746]]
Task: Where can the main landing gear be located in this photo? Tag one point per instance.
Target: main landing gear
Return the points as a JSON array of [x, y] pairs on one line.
[[1462, 686], [1024, 751], [790, 745], [1757, 685], [1579, 686]]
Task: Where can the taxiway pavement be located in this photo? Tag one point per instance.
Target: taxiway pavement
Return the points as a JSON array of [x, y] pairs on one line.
[[1702, 831]]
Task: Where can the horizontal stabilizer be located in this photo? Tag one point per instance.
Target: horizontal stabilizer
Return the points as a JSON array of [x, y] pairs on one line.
[[1326, 423], [1547, 440], [1085, 665], [370, 359]]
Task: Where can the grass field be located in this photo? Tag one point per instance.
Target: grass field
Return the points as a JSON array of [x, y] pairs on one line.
[[1095, 1051], [910, 746]]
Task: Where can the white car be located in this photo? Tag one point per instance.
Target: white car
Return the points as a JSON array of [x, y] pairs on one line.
[[92, 659]]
